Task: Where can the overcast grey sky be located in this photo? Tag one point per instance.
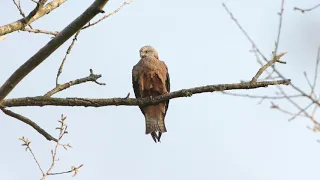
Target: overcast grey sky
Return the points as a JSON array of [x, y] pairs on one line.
[[210, 136]]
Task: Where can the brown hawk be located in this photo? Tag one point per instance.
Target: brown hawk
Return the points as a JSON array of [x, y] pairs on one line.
[[150, 78]]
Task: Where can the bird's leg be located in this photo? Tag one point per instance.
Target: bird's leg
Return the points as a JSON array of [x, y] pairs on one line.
[[154, 136], [159, 136]]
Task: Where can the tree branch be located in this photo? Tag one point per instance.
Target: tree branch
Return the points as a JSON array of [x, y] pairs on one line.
[[65, 56], [257, 50], [313, 88], [29, 122], [260, 96], [50, 47], [27, 144], [92, 77], [62, 132], [304, 10], [18, 5], [37, 13], [47, 101], [73, 169], [39, 31], [108, 15], [275, 59]]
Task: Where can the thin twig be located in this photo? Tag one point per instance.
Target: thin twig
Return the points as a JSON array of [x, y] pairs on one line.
[[39, 31], [275, 59], [60, 87], [312, 89], [293, 102], [34, 157], [274, 106], [314, 110], [65, 57], [260, 97], [275, 52], [304, 10], [300, 111], [27, 144], [309, 83], [62, 131], [95, 81], [315, 74], [108, 15], [18, 5], [73, 169], [54, 152], [244, 32]]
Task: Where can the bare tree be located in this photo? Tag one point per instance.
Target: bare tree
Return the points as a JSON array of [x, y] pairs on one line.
[[308, 111], [42, 7]]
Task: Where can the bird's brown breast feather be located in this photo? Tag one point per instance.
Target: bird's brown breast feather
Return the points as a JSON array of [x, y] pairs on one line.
[[151, 84]]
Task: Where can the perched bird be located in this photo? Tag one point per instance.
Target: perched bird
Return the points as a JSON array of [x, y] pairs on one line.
[[150, 78]]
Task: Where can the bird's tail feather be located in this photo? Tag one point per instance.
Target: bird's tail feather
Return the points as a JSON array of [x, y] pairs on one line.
[[154, 126]]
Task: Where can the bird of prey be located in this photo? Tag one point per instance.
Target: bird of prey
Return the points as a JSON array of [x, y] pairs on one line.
[[150, 78]]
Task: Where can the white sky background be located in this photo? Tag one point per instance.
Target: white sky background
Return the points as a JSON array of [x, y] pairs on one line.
[[210, 136]]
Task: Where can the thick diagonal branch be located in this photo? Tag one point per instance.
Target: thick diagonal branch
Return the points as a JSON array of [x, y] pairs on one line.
[[50, 47], [86, 102]]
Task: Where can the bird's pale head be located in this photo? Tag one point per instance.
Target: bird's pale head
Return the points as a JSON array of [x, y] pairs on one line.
[[148, 51]]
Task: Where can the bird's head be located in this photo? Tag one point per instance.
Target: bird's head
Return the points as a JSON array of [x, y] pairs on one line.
[[148, 51]]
